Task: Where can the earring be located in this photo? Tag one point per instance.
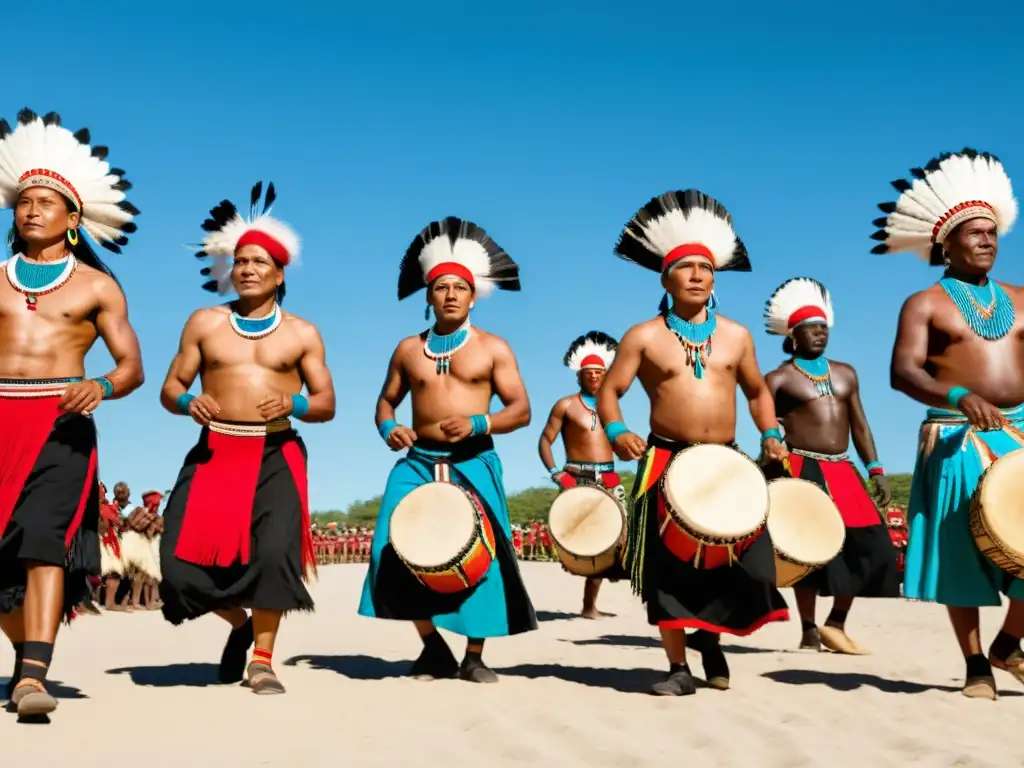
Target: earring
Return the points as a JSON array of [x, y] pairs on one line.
[[472, 304], [73, 237], [426, 313]]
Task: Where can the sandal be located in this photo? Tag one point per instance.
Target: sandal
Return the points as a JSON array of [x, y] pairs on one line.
[[262, 680], [836, 640], [32, 699]]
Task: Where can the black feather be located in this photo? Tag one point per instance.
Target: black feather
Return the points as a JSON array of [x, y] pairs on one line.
[[117, 172], [887, 207], [100, 152], [112, 247], [201, 254], [82, 136], [220, 215], [880, 235], [122, 185], [130, 227], [211, 286], [270, 198], [51, 118], [254, 198], [27, 116], [900, 185], [5, 129], [597, 337], [128, 208], [881, 222], [206, 271], [122, 240], [883, 248], [917, 173]]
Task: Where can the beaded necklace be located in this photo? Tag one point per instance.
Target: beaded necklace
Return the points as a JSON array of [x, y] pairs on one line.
[[818, 370], [590, 403], [986, 308], [695, 338], [256, 327], [441, 348], [34, 279]]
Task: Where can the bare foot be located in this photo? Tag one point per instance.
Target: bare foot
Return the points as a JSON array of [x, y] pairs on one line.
[[590, 613], [836, 639], [1014, 664]]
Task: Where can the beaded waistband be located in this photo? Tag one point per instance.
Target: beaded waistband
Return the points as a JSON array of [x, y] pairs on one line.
[[250, 429], [25, 388], [820, 456], [945, 416], [589, 466]]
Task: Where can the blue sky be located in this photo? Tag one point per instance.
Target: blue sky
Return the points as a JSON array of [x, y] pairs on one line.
[[548, 124]]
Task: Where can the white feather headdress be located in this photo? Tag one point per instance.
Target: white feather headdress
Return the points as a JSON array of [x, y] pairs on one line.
[[229, 231], [39, 152], [948, 191], [460, 247], [592, 350], [797, 301], [679, 224]]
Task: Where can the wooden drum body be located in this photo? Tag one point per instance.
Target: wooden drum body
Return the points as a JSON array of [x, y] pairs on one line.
[[443, 535], [806, 529], [997, 513], [588, 527], [715, 505]]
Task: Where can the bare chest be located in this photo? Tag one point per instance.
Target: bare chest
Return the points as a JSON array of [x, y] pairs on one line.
[[670, 360], [469, 367], [69, 305], [224, 349]]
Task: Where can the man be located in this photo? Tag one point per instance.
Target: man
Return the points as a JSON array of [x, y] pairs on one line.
[[959, 350], [588, 454], [818, 402], [111, 565], [237, 527], [139, 555], [689, 361], [452, 371], [56, 299]]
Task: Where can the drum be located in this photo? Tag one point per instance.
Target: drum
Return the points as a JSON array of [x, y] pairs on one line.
[[589, 528], [715, 505], [806, 528], [997, 513], [442, 534]]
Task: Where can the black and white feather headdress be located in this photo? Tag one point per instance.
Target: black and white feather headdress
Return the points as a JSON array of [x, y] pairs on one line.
[[455, 246], [39, 152], [592, 350], [678, 224], [948, 191], [229, 230], [795, 302]]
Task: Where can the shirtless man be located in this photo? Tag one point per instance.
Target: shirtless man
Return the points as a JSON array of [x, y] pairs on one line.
[[588, 454], [689, 361], [57, 298], [111, 565], [237, 527], [959, 350], [818, 403], [452, 371]]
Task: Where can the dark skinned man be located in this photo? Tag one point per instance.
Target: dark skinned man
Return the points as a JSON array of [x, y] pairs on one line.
[[451, 372], [57, 299], [236, 527], [588, 454], [689, 361], [959, 350], [818, 403]]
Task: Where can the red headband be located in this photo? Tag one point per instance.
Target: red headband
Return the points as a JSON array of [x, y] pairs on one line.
[[684, 250], [57, 178], [450, 268], [257, 237], [805, 313], [592, 361]]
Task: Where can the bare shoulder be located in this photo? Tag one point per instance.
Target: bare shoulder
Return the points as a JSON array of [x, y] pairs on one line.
[[407, 347], [1013, 291], [493, 343], [562, 405], [780, 372], [102, 285], [641, 333], [923, 302], [845, 370], [728, 328], [205, 319], [301, 327]]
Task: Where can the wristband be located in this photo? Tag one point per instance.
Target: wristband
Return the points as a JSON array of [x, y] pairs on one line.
[[184, 400], [554, 471], [875, 469], [386, 428], [106, 386], [771, 434], [300, 406], [956, 394], [481, 425], [613, 430]]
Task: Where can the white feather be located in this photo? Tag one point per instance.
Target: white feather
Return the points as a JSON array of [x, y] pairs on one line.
[[468, 253], [794, 295], [223, 243], [697, 225]]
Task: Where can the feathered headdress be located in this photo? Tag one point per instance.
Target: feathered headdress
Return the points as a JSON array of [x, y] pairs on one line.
[[795, 302], [678, 224], [41, 153], [229, 232], [948, 191], [592, 350], [456, 247]]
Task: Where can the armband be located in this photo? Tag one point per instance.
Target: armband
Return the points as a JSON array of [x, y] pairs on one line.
[[956, 394], [771, 434], [184, 400], [386, 428], [300, 406], [481, 425], [614, 430], [106, 385]]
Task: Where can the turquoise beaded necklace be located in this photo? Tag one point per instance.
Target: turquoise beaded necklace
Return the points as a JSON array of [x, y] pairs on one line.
[[590, 403], [695, 338], [818, 371], [986, 308], [256, 327], [440, 348], [34, 278]]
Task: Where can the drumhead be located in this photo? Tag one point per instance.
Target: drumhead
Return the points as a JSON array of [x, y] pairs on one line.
[[432, 524], [803, 521], [1002, 500], [718, 491], [585, 521]]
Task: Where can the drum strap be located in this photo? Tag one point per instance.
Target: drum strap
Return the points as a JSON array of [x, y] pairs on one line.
[[442, 471]]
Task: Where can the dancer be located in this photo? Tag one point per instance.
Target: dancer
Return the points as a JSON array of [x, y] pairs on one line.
[[959, 350], [111, 563], [687, 237], [237, 528], [452, 371], [818, 403], [588, 454], [57, 298], [154, 531]]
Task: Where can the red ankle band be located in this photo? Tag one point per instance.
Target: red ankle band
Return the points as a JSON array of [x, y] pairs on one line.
[[260, 656]]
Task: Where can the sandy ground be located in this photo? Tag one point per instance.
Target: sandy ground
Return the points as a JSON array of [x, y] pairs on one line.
[[573, 693]]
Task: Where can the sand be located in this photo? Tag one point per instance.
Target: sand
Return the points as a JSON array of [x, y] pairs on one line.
[[135, 690]]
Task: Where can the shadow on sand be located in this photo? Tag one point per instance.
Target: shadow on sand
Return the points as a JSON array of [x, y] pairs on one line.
[[621, 680], [192, 675], [848, 681], [644, 641], [556, 616], [353, 667]]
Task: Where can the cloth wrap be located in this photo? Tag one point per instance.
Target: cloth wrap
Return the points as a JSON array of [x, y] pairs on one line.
[[498, 606]]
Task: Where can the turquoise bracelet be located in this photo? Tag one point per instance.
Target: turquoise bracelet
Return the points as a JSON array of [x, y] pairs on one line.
[[183, 401], [386, 428], [106, 385], [771, 434], [956, 394], [300, 406], [614, 430], [481, 425]]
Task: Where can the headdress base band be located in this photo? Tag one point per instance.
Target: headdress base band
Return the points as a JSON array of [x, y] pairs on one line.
[[41, 177], [806, 314], [972, 209], [592, 361], [684, 250], [450, 268], [276, 250]]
